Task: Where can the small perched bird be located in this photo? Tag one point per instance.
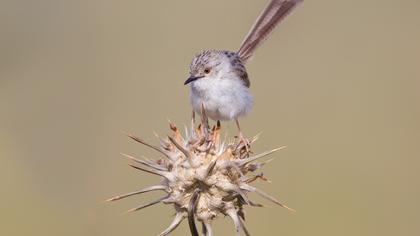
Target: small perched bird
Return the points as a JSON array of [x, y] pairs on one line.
[[218, 78]]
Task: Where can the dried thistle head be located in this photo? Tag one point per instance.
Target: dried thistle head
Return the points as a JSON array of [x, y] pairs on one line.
[[202, 176]]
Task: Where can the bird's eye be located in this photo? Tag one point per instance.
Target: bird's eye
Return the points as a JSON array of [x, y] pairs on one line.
[[207, 70]]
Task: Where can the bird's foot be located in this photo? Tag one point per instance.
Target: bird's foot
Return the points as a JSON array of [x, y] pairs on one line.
[[243, 145]]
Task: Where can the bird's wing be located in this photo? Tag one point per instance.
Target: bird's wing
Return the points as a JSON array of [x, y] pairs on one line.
[[270, 17]]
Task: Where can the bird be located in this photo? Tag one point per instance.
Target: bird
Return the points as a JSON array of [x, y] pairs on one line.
[[218, 80]]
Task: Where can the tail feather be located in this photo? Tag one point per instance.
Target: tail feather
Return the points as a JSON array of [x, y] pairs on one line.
[[270, 17]]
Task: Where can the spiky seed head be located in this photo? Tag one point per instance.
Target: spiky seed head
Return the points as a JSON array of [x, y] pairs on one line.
[[202, 176]]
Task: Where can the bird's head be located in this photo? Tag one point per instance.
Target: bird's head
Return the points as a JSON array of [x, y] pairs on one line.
[[210, 65]]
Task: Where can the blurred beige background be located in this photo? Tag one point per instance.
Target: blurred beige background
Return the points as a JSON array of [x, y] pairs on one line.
[[338, 83]]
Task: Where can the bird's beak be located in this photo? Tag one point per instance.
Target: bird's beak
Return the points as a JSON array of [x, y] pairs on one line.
[[192, 78]]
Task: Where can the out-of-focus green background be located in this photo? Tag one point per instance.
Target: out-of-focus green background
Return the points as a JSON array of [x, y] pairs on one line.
[[338, 83]]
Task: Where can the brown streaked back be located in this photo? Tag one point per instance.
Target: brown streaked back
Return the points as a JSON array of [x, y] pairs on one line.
[[238, 66]]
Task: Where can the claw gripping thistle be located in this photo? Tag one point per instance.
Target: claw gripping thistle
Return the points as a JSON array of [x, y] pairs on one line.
[[202, 177]]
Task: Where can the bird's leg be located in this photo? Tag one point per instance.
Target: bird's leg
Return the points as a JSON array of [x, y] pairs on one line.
[[193, 141], [193, 119], [242, 138], [192, 127]]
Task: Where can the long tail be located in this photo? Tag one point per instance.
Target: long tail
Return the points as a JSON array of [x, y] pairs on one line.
[[271, 16]]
